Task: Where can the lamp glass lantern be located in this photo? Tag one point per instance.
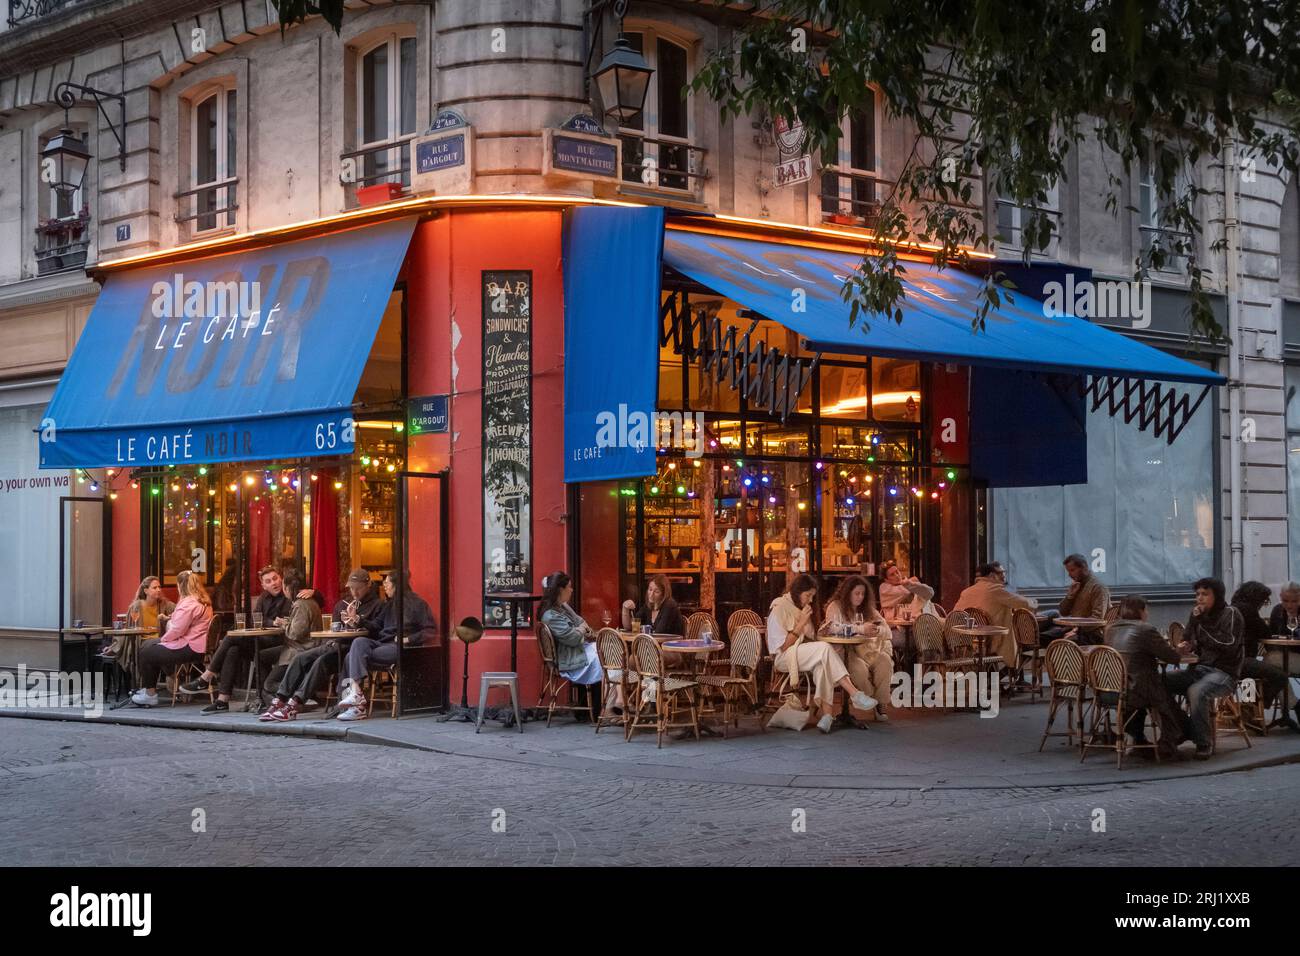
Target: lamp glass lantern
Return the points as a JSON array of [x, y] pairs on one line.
[[623, 79], [63, 165]]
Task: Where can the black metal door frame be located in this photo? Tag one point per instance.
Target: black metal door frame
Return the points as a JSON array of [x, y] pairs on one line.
[[445, 628], [106, 566]]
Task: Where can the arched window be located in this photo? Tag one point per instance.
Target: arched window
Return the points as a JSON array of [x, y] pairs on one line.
[[385, 111]]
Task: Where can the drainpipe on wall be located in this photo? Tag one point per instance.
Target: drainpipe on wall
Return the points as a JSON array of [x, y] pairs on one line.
[[1232, 233]]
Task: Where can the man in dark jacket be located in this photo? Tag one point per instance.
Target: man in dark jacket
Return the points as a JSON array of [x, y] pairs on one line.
[[309, 670], [1249, 599], [380, 648], [1215, 634], [1143, 648]]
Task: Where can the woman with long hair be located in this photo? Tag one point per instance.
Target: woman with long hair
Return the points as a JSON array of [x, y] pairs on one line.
[[659, 610], [184, 641], [149, 605], [851, 611], [575, 648], [1250, 599], [791, 637]]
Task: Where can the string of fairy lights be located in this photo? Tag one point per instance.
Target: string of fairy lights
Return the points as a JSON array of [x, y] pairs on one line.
[[850, 485]]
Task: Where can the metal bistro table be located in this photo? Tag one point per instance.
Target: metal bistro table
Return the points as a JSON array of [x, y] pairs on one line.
[[981, 634], [89, 633], [697, 652], [136, 634], [515, 598], [846, 718], [1286, 645], [256, 633], [1082, 623], [339, 637]]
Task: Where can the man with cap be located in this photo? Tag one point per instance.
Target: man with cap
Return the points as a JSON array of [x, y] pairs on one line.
[[309, 669]]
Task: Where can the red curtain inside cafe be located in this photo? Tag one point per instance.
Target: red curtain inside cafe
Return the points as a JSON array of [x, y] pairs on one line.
[[325, 537], [259, 542]]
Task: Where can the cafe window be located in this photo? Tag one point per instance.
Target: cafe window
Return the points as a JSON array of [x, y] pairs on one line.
[[212, 159], [656, 142], [1155, 212], [851, 181], [1147, 509], [385, 112]]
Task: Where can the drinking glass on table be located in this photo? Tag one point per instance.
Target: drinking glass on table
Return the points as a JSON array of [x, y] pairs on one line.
[[257, 620], [636, 624], [240, 620]]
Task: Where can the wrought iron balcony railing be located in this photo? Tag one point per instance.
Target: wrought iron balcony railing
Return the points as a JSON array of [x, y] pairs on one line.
[[27, 11]]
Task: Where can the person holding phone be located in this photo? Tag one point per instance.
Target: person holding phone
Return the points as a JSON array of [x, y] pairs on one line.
[[852, 610], [791, 632]]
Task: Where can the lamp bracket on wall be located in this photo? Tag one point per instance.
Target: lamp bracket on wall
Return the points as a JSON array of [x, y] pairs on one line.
[[67, 94]]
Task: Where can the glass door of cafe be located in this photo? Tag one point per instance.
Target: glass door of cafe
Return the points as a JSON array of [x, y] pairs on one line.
[[85, 543], [422, 560]]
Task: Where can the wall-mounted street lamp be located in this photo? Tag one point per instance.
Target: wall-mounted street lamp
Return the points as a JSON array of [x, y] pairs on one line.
[[63, 165], [623, 76], [69, 153]]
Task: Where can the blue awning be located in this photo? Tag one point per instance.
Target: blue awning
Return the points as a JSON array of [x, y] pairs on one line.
[[246, 356], [800, 288]]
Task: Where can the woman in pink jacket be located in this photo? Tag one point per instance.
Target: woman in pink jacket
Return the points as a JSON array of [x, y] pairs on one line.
[[184, 641]]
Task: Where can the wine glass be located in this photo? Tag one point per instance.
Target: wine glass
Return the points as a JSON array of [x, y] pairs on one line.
[[606, 617]]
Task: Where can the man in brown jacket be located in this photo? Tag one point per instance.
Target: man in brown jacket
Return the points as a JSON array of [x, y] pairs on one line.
[[1143, 648], [1087, 597]]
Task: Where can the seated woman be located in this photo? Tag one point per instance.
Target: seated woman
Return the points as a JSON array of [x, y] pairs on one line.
[[793, 619], [1249, 599], [144, 611], [897, 591], [575, 648], [852, 610], [184, 641], [659, 610]]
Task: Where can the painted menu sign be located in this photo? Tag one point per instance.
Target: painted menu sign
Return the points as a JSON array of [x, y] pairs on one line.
[[507, 441]]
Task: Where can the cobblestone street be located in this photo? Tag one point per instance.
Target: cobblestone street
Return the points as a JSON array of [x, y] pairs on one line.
[[84, 794]]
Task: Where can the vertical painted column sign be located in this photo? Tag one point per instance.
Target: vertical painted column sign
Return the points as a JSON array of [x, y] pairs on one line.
[[507, 441]]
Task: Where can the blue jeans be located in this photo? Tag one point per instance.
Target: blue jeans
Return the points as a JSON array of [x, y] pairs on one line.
[[1200, 685]]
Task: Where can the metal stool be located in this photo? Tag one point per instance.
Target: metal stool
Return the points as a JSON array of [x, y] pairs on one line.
[[490, 679]]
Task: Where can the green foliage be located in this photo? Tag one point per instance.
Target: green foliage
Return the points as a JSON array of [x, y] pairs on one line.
[[1006, 90]]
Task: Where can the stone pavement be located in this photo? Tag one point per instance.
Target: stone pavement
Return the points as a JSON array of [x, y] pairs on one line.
[[916, 749], [107, 795]]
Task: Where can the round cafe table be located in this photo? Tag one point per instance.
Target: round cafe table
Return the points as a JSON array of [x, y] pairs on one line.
[[845, 717], [1082, 623], [697, 652], [256, 633], [1285, 646], [89, 633], [981, 633]]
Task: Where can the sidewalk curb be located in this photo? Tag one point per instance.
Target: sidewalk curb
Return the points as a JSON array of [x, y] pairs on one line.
[[323, 730]]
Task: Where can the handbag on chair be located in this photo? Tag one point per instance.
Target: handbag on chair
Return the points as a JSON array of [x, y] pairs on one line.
[[792, 714]]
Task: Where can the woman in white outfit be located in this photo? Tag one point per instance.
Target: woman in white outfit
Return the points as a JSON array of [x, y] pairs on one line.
[[852, 611], [791, 633], [897, 591]]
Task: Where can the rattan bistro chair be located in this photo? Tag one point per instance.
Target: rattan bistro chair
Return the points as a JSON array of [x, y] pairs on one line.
[[1024, 627], [1176, 633], [1107, 676], [668, 692], [698, 623], [1227, 713], [216, 630], [739, 619], [976, 615], [553, 682], [742, 679], [614, 673], [1065, 673]]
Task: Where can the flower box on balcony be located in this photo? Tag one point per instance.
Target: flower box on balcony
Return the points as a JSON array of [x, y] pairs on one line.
[[378, 193]]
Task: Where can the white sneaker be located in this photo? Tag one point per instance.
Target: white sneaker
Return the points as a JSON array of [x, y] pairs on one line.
[[864, 702], [143, 698], [824, 725], [353, 713], [352, 695]]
